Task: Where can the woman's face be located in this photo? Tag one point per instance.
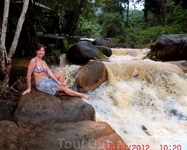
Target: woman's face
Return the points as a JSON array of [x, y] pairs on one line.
[[40, 52]]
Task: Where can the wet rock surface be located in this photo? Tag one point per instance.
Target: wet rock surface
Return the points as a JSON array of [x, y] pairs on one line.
[[46, 122]]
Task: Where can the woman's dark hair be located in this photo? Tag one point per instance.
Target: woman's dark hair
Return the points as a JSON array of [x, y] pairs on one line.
[[39, 46]]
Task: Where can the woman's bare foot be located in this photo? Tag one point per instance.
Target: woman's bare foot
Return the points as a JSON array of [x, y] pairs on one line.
[[84, 96]]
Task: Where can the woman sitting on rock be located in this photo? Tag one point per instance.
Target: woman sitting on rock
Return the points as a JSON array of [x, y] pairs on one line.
[[45, 80]]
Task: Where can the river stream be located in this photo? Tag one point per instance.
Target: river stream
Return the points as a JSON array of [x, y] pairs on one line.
[[144, 101]]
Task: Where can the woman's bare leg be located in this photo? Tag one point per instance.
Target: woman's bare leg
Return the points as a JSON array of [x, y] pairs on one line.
[[59, 75], [65, 90], [72, 93]]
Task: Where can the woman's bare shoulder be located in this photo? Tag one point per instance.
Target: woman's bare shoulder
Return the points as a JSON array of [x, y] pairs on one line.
[[32, 61]]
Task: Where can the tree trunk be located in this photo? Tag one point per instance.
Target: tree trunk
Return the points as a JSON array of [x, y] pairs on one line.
[[8, 60], [18, 29], [128, 11], [3, 54], [145, 10]]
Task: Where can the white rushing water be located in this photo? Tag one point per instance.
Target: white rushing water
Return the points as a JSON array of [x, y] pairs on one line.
[[144, 101]]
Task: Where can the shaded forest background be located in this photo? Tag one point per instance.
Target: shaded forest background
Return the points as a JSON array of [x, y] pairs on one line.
[[124, 25], [119, 21]]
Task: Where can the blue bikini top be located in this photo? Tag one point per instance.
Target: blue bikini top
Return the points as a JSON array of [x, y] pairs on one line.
[[39, 69]]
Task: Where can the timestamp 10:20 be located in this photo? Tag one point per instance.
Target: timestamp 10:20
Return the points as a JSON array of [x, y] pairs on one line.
[[170, 147]]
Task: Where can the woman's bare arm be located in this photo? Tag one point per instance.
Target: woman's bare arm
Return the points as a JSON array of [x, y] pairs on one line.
[[29, 76]]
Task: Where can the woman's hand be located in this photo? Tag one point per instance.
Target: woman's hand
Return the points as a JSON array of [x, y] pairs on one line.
[[61, 84], [26, 91]]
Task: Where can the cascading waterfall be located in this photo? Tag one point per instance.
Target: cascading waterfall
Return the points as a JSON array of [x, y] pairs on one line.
[[144, 101]]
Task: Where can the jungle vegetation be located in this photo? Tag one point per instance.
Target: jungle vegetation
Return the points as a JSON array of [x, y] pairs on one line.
[[119, 21], [123, 24]]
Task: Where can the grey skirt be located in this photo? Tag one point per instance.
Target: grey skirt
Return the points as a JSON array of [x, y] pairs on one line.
[[47, 85]]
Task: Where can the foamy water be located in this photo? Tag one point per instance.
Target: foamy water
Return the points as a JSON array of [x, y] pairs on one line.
[[144, 101]]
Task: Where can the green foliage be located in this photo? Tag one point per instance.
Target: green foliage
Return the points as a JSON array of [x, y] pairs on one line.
[[111, 24], [53, 58], [69, 13], [100, 55], [155, 55], [177, 19], [174, 29], [66, 45], [140, 38], [82, 18], [141, 33], [136, 37], [136, 17], [88, 28]]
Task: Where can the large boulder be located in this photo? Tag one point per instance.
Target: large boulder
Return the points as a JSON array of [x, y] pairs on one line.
[[54, 42], [43, 121], [91, 76], [105, 50], [82, 51], [9, 135], [101, 42], [42, 107], [169, 47], [47, 122], [82, 135]]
